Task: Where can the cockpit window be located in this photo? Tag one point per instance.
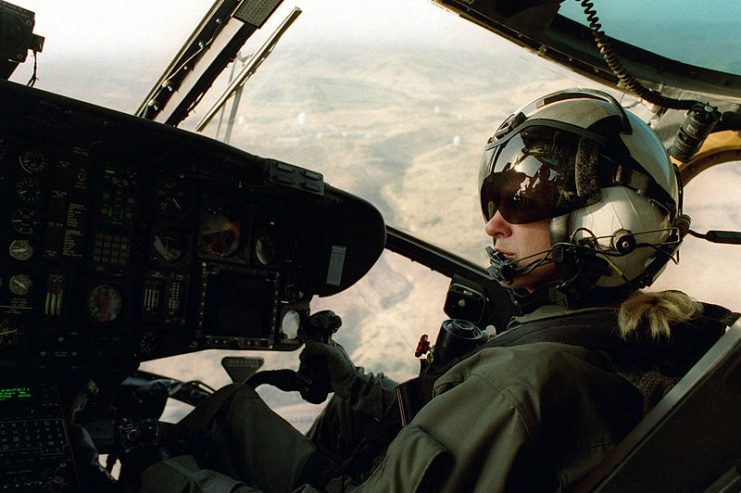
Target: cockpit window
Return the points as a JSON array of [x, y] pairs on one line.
[[684, 30], [395, 103], [107, 53], [389, 102]]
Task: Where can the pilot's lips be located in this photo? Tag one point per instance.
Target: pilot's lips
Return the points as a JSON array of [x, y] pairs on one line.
[[507, 255]]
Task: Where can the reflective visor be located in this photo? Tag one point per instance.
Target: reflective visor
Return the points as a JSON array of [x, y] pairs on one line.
[[530, 176]]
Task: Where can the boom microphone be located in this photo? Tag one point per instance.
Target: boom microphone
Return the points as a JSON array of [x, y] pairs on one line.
[[503, 269]]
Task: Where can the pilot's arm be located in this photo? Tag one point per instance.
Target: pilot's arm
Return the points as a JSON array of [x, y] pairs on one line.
[[365, 392], [531, 417], [235, 432]]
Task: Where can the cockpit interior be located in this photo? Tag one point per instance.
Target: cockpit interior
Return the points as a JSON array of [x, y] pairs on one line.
[[127, 239]]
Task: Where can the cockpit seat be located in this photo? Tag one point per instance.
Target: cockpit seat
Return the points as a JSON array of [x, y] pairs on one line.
[[691, 440]]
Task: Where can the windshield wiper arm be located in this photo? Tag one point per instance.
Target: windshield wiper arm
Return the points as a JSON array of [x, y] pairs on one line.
[[214, 43], [249, 68]]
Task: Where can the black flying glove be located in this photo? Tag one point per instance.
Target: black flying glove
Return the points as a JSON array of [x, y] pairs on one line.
[[368, 393]]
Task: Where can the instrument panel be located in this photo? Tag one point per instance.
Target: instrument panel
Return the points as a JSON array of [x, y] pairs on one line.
[[124, 240]]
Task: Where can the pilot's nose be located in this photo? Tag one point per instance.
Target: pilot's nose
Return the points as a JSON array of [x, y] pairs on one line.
[[498, 227]]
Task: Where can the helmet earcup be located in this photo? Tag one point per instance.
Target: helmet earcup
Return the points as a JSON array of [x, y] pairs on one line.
[[620, 214]]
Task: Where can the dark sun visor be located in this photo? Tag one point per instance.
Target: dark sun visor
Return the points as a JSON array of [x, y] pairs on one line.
[[546, 169], [532, 175]]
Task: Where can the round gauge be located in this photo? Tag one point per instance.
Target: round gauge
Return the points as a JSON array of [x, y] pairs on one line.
[[28, 190], [24, 221], [20, 284], [290, 324], [8, 333], [104, 303], [32, 161], [219, 235], [20, 250], [266, 248], [169, 245], [173, 199], [148, 344]]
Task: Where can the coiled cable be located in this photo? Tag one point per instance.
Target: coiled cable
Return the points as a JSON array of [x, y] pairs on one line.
[[625, 78]]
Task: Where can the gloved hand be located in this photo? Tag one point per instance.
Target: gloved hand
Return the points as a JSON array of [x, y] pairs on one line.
[[371, 394], [329, 361]]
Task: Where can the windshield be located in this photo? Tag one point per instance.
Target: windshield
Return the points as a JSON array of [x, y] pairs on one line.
[[107, 53], [392, 101]]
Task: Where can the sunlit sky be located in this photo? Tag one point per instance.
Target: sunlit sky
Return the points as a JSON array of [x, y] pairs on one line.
[[150, 33], [107, 27]]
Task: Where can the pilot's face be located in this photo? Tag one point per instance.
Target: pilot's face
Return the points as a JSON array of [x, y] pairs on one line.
[[518, 241]]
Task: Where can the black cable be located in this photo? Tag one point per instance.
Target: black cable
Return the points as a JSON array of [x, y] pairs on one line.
[[725, 237], [32, 81], [628, 81]]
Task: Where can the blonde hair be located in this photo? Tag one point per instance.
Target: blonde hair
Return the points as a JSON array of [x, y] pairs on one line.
[[656, 311]]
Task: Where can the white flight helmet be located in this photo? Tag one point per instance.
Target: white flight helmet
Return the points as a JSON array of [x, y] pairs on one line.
[[603, 178]]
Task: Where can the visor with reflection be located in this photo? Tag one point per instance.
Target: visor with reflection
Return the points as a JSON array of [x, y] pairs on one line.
[[531, 176]]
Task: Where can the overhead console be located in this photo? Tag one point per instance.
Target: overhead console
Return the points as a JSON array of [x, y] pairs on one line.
[[124, 240]]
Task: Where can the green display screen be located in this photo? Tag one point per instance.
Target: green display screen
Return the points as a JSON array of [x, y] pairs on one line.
[[7, 393]]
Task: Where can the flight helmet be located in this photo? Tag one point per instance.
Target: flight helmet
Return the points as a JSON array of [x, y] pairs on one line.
[[602, 177]]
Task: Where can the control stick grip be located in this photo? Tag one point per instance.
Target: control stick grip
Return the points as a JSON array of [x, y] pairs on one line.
[[313, 372]]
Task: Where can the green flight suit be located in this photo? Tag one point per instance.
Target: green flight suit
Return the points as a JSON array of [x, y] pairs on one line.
[[536, 417]]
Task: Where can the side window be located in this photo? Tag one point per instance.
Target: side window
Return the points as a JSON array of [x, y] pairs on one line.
[[708, 271]]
